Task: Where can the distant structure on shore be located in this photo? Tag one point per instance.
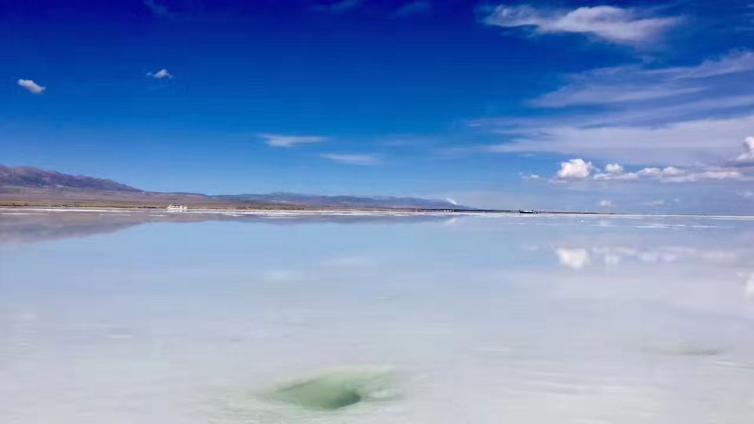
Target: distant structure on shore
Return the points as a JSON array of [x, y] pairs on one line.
[[177, 208]]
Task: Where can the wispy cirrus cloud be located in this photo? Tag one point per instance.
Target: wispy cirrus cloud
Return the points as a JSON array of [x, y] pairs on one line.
[[697, 142], [634, 84], [684, 115], [353, 159], [614, 24], [290, 141], [31, 86]]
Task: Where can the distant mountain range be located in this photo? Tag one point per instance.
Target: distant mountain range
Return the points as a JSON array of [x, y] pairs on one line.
[[39, 178], [26, 186]]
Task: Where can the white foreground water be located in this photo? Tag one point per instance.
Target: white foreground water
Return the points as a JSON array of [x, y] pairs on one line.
[[140, 317]]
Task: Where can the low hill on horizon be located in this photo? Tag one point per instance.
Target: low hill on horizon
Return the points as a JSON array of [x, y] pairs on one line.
[[28, 186]]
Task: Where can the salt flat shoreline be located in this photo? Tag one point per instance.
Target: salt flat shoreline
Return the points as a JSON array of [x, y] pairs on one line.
[[252, 212], [9, 210]]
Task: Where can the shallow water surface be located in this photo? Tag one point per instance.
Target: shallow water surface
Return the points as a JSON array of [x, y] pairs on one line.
[[148, 318]]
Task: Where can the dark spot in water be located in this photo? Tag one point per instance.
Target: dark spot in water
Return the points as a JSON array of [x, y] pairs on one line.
[[319, 394], [335, 391]]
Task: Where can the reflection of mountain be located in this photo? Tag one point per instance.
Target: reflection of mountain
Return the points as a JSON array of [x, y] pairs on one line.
[[18, 227], [32, 186], [33, 228], [341, 201]]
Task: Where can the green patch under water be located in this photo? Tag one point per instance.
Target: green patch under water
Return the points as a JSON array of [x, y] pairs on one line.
[[336, 390]]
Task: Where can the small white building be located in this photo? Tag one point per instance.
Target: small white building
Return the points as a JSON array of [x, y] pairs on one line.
[[177, 208]]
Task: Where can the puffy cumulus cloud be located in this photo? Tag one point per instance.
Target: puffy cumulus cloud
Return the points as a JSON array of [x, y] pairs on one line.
[[614, 168], [161, 74], [668, 171], [578, 169], [290, 141], [610, 23], [748, 154], [615, 171], [31, 86], [671, 171], [574, 258], [575, 169]]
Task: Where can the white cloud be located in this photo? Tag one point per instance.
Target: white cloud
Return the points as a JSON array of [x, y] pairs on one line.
[[353, 159], [525, 176], [614, 168], [575, 169], [578, 169], [622, 176], [672, 171], [749, 287], [632, 83], [684, 143], [574, 258], [606, 204], [668, 171], [710, 175], [289, 141], [748, 154], [656, 203], [650, 172], [614, 24], [642, 114], [32, 86], [161, 74], [615, 171]]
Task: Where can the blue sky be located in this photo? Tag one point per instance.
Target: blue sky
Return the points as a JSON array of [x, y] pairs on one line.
[[498, 104]]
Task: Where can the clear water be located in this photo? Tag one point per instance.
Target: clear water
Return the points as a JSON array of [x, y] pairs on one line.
[[143, 318]]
